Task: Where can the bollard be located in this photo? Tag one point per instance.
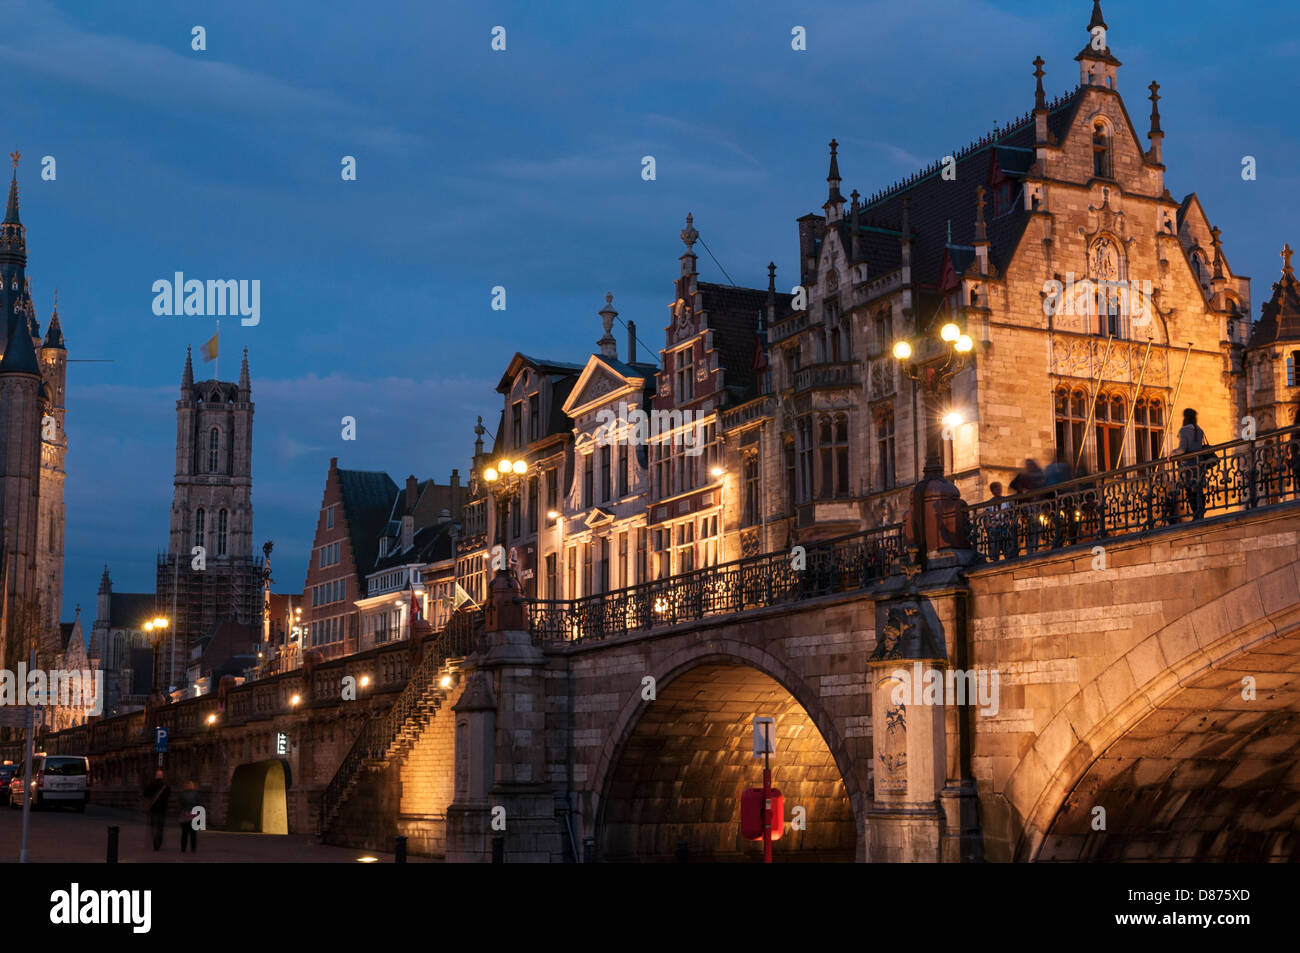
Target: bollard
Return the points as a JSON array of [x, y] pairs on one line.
[[399, 852], [498, 849], [113, 831], [681, 851], [589, 850]]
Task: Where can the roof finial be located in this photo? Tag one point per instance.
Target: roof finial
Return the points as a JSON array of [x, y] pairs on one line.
[[608, 346], [1155, 109], [479, 431], [1287, 251], [11, 210], [15, 156], [689, 234], [981, 231], [1040, 97]]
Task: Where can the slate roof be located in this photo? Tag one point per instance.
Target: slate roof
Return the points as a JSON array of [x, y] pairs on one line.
[[733, 316], [367, 501], [19, 355], [936, 201], [65, 633], [431, 544], [1280, 318]]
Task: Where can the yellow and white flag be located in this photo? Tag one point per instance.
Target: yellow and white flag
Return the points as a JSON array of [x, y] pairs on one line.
[[209, 349], [462, 597]]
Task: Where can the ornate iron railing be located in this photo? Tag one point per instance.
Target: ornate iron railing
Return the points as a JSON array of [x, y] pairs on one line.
[[845, 564], [461, 636], [1238, 475]]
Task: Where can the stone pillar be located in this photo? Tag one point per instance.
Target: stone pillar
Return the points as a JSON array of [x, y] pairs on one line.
[[904, 822], [519, 804]]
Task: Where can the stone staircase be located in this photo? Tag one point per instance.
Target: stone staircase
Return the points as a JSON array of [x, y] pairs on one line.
[[386, 739]]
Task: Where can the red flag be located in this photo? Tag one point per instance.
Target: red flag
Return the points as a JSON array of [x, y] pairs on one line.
[[415, 612]]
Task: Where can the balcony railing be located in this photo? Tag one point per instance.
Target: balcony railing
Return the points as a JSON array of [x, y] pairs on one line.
[[829, 374], [1238, 475], [847, 564]]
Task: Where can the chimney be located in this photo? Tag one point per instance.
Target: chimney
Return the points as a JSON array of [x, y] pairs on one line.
[[408, 532], [455, 479], [412, 485], [334, 463], [631, 342]]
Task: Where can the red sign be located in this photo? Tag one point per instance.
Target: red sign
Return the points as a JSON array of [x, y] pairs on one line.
[[751, 813]]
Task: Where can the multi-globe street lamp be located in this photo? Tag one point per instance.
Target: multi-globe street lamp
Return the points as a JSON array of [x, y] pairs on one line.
[[937, 518]]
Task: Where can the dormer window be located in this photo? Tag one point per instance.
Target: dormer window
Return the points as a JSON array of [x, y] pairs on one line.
[[1101, 164]]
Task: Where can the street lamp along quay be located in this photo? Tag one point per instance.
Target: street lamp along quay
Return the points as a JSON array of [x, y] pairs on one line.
[[505, 480], [937, 517]]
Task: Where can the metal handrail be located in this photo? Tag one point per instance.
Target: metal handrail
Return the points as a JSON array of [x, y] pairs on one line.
[[843, 564], [1234, 475], [458, 638]]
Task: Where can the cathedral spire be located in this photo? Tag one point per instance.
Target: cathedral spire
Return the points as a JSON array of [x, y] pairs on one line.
[[187, 378], [13, 236], [11, 210], [54, 335], [245, 387]]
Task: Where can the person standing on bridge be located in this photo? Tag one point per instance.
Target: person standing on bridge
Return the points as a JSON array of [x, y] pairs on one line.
[[156, 794], [1193, 470]]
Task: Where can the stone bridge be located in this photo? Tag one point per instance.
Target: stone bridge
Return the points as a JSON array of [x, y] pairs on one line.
[[1147, 706]]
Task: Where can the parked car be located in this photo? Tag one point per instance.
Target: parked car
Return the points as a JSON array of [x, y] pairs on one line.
[[7, 772], [56, 779]]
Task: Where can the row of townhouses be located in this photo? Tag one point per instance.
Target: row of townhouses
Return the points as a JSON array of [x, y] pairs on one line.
[[766, 419]]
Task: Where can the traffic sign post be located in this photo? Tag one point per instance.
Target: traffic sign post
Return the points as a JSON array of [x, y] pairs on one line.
[[160, 743], [27, 771], [763, 745]]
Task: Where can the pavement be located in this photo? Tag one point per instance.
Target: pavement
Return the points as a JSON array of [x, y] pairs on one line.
[[61, 835]]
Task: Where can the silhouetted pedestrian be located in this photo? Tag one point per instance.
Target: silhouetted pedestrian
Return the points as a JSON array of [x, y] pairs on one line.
[[156, 794], [189, 801], [1001, 543]]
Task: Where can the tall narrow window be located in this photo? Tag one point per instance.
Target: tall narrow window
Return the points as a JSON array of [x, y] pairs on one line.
[[790, 477], [553, 489], [517, 424], [588, 479], [1148, 429], [685, 375], [826, 452], [624, 467], [535, 416], [221, 533], [214, 446], [804, 443], [199, 536], [603, 568], [1071, 419], [1109, 413], [586, 570], [641, 555], [1100, 151], [1293, 369], [533, 504], [885, 461], [605, 473], [749, 489], [550, 577]]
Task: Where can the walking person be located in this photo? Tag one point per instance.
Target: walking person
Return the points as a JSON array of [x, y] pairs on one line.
[[1028, 480], [1192, 469], [189, 801], [1001, 544], [156, 794]]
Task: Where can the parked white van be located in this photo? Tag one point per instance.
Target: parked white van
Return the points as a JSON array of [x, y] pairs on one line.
[[56, 779]]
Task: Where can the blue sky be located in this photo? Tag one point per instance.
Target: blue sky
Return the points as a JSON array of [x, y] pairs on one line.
[[478, 168]]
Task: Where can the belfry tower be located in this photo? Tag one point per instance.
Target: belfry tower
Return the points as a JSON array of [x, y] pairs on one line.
[[209, 574]]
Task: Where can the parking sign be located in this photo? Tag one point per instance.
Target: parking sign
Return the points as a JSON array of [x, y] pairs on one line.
[[160, 740]]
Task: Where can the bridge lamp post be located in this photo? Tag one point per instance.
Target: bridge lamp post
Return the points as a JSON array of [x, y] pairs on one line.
[[937, 519], [503, 610], [155, 630]]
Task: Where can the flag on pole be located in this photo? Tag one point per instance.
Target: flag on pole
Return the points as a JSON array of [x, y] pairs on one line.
[[462, 597], [209, 349]]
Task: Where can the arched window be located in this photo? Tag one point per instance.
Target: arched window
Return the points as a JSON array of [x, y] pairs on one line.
[[833, 446], [1071, 419], [885, 449], [199, 525], [214, 446], [1148, 428], [221, 533], [1101, 165], [1109, 414]]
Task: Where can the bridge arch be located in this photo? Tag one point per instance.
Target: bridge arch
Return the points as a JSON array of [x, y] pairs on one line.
[[1185, 675], [259, 797], [673, 768]]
